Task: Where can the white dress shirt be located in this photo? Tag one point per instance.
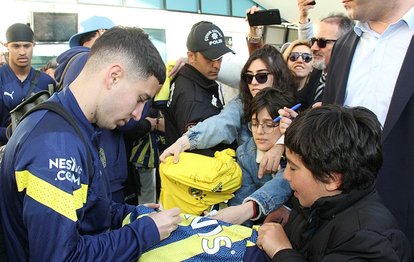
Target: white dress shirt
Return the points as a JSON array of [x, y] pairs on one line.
[[376, 65]]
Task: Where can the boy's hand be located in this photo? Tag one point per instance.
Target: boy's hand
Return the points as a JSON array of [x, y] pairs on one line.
[[272, 238], [280, 215]]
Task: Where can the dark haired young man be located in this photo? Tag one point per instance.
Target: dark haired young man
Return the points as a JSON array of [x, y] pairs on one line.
[[18, 79], [54, 206], [71, 63]]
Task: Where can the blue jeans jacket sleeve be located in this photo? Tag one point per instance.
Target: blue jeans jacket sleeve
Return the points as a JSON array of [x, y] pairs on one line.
[[246, 158], [269, 192], [222, 128], [272, 194]]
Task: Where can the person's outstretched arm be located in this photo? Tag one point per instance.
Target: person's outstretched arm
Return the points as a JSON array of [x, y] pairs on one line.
[[221, 128], [305, 25]]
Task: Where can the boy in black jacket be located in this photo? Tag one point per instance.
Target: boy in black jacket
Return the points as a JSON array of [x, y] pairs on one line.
[[334, 154]]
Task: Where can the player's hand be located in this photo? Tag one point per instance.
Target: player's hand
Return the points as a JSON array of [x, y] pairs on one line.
[[166, 221]]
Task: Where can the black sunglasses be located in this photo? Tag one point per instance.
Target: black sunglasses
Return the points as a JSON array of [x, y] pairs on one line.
[[261, 78], [306, 57], [321, 42]]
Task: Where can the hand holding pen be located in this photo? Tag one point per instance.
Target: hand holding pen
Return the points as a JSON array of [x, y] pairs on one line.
[[285, 116], [295, 107]]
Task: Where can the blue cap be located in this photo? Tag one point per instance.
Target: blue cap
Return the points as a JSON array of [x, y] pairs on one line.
[[91, 24]]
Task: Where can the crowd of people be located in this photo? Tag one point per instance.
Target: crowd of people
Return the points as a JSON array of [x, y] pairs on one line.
[[313, 152]]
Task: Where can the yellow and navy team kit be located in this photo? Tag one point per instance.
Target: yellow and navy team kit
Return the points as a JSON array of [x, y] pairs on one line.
[[54, 209], [57, 212], [200, 238]]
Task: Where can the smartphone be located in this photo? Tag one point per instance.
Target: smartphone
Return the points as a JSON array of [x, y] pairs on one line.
[[312, 3], [264, 17]]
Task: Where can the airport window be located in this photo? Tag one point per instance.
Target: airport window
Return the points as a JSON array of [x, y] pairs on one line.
[[40, 61], [153, 4], [101, 2], [217, 7], [157, 37], [57, 1], [275, 35], [183, 5], [54, 27], [239, 7], [292, 34]]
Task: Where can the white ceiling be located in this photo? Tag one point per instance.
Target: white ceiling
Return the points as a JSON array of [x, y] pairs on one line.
[[289, 9]]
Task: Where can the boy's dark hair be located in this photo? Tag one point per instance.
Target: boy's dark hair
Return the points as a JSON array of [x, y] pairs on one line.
[[273, 59], [133, 46], [271, 99], [337, 139]]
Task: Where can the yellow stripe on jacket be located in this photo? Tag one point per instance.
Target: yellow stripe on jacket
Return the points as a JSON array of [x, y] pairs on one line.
[[49, 195]]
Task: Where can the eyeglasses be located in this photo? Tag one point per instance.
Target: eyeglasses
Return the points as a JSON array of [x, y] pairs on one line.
[[261, 78], [306, 57], [267, 127], [321, 42]]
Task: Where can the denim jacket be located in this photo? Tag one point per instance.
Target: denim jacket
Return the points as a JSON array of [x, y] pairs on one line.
[[269, 193], [222, 128]]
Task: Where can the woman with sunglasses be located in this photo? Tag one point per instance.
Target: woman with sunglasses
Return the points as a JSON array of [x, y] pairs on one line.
[[264, 68], [299, 59]]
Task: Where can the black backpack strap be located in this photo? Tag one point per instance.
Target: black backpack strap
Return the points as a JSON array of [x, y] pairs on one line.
[[33, 84], [60, 110], [69, 63]]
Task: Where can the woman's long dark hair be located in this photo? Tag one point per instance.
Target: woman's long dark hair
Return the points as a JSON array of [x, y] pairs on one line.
[[282, 77]]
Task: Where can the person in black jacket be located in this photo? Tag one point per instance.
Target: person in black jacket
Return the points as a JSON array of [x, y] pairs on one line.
[[195, 95], [361, 74], [334, 154]]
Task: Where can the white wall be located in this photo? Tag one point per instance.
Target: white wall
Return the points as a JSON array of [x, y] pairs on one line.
[[176, 24]]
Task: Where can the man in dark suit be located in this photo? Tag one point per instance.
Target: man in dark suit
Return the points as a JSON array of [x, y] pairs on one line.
[[373, 66]]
